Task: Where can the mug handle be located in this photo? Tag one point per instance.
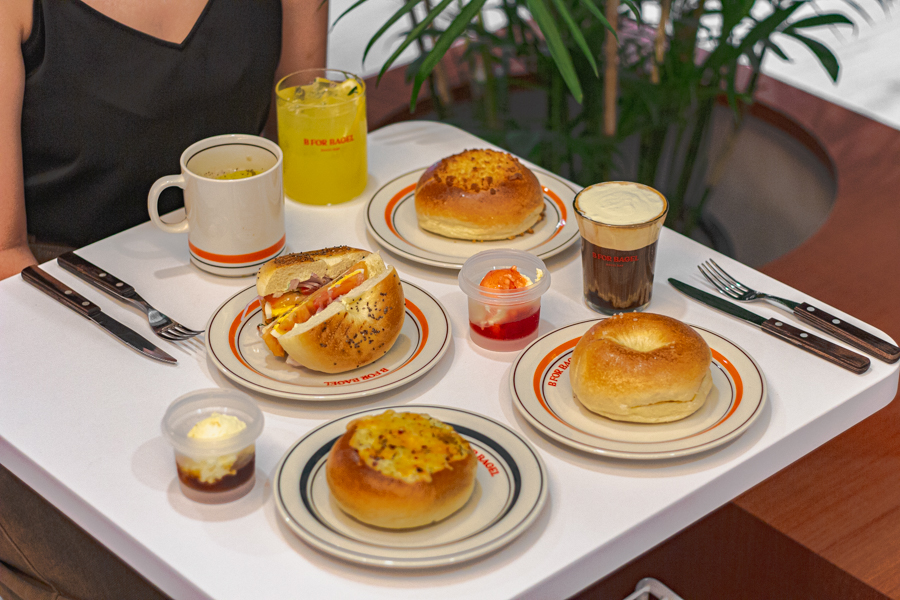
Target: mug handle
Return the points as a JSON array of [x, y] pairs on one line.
[[153, 203]]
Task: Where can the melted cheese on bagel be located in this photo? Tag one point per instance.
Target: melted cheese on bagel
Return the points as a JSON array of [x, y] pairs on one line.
[[407, 446]]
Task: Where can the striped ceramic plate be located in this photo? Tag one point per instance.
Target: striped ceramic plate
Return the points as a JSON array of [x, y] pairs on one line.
[[510, 490], [542, 392], [237, 350], [391, 219]]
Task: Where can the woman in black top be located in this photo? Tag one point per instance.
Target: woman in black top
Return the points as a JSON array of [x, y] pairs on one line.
[[100, 97]]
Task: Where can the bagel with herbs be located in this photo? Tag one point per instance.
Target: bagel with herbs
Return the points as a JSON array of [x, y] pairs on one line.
[[330, 310], [478, 195], [641, 367], [400, 470]]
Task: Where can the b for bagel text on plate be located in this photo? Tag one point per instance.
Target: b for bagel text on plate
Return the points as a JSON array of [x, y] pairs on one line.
[[377, 373], [558, 371], [491, 467]]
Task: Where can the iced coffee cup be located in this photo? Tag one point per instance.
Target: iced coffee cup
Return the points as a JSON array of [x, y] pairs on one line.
[[620, 223]]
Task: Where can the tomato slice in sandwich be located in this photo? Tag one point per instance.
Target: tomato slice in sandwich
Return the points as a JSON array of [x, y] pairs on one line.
[[313, 304]]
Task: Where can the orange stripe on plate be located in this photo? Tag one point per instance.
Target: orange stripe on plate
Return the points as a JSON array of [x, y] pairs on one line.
[[539, 375], [233, 259], [393, 203], [232, 333], [562, 212], [738, 390], [421, 317]]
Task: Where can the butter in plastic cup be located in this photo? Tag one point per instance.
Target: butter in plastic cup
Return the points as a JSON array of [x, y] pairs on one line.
[[216, 468]]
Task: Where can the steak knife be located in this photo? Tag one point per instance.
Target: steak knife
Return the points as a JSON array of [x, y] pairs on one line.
[[822, 348], [61, 292]]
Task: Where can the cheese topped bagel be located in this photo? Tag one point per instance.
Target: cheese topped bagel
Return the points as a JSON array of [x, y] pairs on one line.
[[479, 195], [400, 470]]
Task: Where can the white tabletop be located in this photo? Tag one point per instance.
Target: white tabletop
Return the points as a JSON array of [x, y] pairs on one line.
[[81, 413]]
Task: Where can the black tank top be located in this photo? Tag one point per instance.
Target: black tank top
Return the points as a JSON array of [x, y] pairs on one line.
[[108, 109]]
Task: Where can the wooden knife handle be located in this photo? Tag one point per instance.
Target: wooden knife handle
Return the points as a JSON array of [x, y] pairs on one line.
[[820, 347], [57, 289], [94, 275], [846, 332]]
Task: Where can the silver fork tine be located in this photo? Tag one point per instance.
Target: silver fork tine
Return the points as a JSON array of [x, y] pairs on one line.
[[734, 282], [717, 282]]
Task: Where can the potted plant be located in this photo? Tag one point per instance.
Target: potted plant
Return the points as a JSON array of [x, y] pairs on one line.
[[608, 81]]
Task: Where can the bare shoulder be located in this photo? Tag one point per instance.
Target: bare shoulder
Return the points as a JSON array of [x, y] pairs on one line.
[[16, 20]]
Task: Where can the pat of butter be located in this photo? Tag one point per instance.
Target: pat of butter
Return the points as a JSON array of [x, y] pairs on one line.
[[217, 426]]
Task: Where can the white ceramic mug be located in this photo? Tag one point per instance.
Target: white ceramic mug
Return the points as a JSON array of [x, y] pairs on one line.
[[233, 225]]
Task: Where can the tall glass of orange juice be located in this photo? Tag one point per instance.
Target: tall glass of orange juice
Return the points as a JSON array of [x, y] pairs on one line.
[[322, 133]]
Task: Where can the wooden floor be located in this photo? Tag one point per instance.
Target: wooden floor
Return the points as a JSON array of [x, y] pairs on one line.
[[828, 526]]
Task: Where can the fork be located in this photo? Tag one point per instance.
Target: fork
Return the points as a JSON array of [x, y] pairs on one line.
[[818, 318], [162, 325]]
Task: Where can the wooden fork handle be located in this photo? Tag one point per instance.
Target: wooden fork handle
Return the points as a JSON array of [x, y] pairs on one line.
[[94, 275], [844, 331], [822, 348]]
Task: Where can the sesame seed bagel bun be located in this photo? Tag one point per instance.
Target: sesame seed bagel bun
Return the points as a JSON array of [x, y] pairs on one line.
[[355, 329], [478, 195], [402, 480], [641, 367], [276, 275]]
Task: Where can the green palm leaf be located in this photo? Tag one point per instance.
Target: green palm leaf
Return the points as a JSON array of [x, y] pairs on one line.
[[413, 36], [827, 59], [576, 34], [558, 50], [387, 24], [443, 43], [592, 8]]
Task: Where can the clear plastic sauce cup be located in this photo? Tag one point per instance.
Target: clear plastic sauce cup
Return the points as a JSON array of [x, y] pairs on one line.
[[504, 320], [207, 463]]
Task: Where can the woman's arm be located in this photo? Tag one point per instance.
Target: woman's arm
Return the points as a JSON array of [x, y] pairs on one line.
[[304, 40], [15, 25]]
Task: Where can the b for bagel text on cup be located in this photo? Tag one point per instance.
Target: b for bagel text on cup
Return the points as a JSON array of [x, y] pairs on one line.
[[620, 224], [504, 320], [322, 130], [233, 200]]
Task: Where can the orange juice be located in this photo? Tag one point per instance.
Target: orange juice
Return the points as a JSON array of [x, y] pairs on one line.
[[322, 133]]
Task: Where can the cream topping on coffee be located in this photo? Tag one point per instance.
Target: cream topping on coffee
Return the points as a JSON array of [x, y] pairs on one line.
[[620, 203]]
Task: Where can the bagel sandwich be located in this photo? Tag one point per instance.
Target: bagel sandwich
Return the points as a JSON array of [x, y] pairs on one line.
[[400, 470], [330, 310], [641, 367]]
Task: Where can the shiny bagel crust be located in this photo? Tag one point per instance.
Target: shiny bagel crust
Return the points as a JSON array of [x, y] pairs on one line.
[[478, 195], [641, 367], [384, 501], [354, 330]]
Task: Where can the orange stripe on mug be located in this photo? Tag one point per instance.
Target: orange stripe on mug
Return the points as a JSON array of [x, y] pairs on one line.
[[235, 259], [388, 219]]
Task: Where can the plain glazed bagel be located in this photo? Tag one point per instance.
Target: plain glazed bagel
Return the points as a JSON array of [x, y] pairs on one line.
[[400, 470], [478, 195], [641, 367]]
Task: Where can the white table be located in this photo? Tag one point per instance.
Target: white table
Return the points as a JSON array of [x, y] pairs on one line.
[[79, 420]]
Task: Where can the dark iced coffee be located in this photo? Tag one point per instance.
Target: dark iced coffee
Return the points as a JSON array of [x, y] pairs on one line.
[[620, 224]]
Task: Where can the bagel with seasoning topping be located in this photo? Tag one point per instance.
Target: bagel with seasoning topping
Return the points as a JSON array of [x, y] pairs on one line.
[[400, 470], [479, 195], [331, 310], [641, 367]]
